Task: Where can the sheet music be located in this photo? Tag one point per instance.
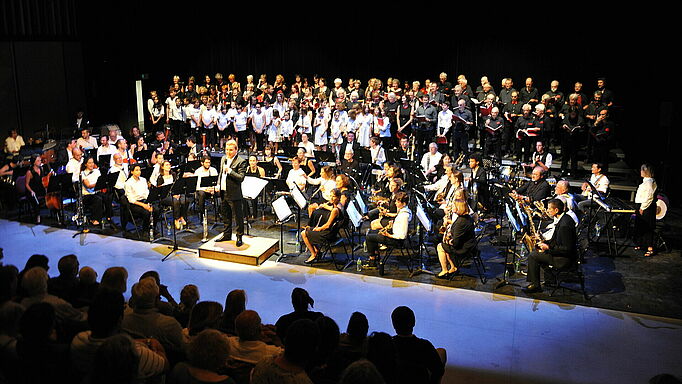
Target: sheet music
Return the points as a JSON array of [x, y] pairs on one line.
[[298, 197], [252, 186], [354, 216], [361, 202], [281, 208], [423, 218]]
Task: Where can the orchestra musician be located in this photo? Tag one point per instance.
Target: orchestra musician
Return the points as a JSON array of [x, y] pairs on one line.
[[74, 165], [446, 196], [459, 238], [206, 170], [255, 171], [349, 164], [119, 192], [326, 227], [430, 160], [478, 183], [561, 192], [559, 251], [179, 203], [645, 214], [231, 175], [98, 203], [136, 192], [541, 158], [385, 209], [297, 176], [393, 236], [327, 183], [599, 181], [269, 157], [34, 186], [534, 190]]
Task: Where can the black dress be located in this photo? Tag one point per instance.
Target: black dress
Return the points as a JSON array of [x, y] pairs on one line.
[[320, 237], [251, 205]]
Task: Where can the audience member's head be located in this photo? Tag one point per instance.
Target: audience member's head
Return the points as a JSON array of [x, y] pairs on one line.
[[189, 295], [248, 326], [361, 372], [329, 335], [382, 353], [87, 276], [115, 278], [153, 274], [204, 315], [34, 282], [300, 344], [116, 361], [37, 261], [300, 299], [106, 312], [9, 277], [68, 266], [403, 320], [209, 350], [358, 326], [145, 293], [235, 303], [10, 317]]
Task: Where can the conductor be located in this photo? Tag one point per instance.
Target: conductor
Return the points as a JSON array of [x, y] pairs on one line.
[[232, 170]]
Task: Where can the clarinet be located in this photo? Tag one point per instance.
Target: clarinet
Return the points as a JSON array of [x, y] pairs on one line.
[[151, 226], [79, 217], [204, 222]]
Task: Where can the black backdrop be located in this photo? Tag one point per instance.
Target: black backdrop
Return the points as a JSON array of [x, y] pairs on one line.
[[120, 43]]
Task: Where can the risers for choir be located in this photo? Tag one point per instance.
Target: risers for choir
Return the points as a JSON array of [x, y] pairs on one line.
[[254, 251]]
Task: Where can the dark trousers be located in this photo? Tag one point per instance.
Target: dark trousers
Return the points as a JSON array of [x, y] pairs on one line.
[[460, 143], [373, 240], [645, 225], [538, 259], [95, 204], [422, 138], [493, 147], [140, 215], [200, 197], [229, 208], [179, 205], [569, 150]]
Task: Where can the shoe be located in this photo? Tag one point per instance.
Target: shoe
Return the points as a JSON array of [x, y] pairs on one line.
[[649, 253], [532, 288], [223, 237], [443, 276], [309, 261], [178, 224], [239, 241]]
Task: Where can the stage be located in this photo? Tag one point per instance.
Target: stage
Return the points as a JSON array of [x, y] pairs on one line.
[[490, 338]]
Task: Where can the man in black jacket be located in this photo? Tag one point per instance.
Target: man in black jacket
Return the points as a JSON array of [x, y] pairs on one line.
[[232, 172], [558, 252]]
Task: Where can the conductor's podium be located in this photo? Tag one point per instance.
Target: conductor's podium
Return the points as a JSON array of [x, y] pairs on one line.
[[254, 251]]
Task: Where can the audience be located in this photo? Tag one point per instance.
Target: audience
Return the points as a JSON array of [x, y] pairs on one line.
[[138, 343]]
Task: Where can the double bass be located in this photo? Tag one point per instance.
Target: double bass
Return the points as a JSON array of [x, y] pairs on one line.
[[53, 200]]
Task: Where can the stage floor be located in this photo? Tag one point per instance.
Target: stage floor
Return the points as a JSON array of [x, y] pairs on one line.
[[490, 338]]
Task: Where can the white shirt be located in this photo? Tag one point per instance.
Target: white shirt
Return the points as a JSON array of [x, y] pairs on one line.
[[203, 172], [223, 178], [438, 185], [326, 186], [444, 122], [548, 159], [74, 168], [378, 155], [136, 190], [208, 118], [105, 150], [429, 161], [13, 145], [90, 143], [296, 177], [601, 182], [122, 174], [309, 148], [645, 193], [401, 223], [240, 120], [91, 177]]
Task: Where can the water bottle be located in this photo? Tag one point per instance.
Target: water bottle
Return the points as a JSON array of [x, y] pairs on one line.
[[597, 229], [169, 230], [358, 265]]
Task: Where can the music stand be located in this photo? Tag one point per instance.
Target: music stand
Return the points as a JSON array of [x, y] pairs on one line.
[[515, 228], [279, 187], [424, 224], [301, 200], [325, 157], [269, 168], [106, 181], [191, 166], [207, 182], [415, 175], [181, 186], [156, 195], [251, 188], [282, 211], [143, 156], [62, 186], [103, 161]]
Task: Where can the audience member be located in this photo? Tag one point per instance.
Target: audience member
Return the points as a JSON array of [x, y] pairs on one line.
[[64, 285], [204, 315], [208, 354], [248, 345], [418, 360], [118, 360], [300, 299], [189, 296], [86, 288], [361, 371], [235, 303]]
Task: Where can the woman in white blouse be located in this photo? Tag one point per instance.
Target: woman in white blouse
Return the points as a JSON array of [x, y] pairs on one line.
[[645, 221]]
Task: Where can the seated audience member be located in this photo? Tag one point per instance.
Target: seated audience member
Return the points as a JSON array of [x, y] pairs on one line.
[[146, 321], [189, 296], [248, 345], [64, 285], [205, 315], [10, 317], [327, 365], [35, 260], [300, 299], [35, 287], [166, 307], [41, 358], [418, 360], [361, 371], [300, 347], [119, 360], [235, 303], [115, 278], [382, 353], [86, 288], [353, 343], [104, 316], [208, 354]]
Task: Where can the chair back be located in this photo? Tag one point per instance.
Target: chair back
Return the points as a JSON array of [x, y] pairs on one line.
[[20, 186]]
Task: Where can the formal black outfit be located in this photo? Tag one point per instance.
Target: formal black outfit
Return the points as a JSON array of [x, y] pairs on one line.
[[251, 205], [561, 252], [231, 194], [417, 360], [179, 204], [494, 128], [462, 235], [478, 188], [524, 142], [571, 139], [460, 136], [329, 234], [424, 130], [535, 190]]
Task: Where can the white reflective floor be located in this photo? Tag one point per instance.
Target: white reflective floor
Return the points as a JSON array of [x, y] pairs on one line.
[[489, 338]]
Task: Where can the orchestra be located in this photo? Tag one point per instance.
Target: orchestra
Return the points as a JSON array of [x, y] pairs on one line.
[[393, 149]]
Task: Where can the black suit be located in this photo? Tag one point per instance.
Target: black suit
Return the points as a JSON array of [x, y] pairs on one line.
[[561, 252], [536, 190], [481, 181], [231, 194], [463, 236]]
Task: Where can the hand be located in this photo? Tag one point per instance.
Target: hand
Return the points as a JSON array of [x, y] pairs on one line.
[[147, 207], [584, 186], [543, 246], [641, 211], [317, 229], [163, 291]]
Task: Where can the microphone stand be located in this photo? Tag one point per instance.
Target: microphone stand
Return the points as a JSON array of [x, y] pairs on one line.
[[175, 247]]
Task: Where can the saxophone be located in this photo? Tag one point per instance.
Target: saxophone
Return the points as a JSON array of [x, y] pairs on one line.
[[532, 238], [460, 159], [541, 207], [385, 230]]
